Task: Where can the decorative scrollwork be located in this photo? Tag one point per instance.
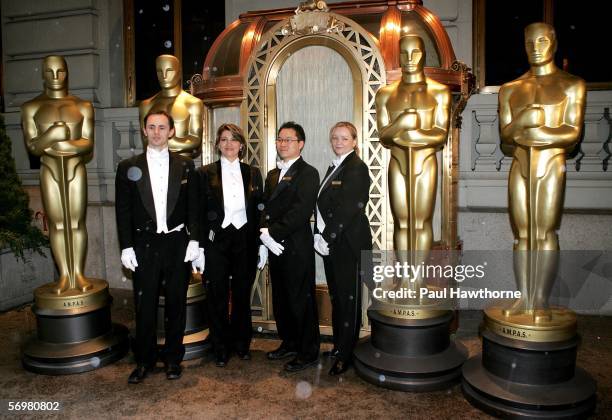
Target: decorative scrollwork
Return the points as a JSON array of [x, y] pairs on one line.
[[312, 6], [194, 81], [468, 87], [460, 66], [309, 23]]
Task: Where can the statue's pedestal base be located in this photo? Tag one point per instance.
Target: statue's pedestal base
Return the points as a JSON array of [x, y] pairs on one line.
[[521, 379], [74, 332], [196, 329], [410, 354]]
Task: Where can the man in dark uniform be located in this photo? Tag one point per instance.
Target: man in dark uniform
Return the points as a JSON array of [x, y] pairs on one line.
[[289, 196], [157, 222]]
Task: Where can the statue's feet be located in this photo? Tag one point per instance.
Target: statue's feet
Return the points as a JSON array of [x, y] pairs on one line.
[[61, 285], [82, 284], [518, 307], [542, 312], [541, 316]]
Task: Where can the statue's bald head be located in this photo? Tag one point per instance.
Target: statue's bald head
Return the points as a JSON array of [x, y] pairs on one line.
[[540, 43], [55, 72], [412, 53], [168, 70], [540, 28]]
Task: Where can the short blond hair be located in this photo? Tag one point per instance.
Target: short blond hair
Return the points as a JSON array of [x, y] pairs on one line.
[[351, 128]]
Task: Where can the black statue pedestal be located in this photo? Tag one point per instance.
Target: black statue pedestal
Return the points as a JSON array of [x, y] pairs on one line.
[[522, 379], [74, 332], [410, 354]]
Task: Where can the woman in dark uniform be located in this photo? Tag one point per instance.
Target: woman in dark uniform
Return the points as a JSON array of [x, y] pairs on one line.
[[342, 231], [230, 193]]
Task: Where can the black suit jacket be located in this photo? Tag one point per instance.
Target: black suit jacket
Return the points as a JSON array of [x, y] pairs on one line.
[[212, 211], [342, 203], [289, 204], [134, 205]]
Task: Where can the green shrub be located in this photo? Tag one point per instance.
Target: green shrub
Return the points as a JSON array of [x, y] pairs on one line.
[[16, 229]]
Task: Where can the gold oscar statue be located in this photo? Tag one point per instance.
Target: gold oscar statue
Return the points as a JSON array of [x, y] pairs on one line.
[[541, 115], [59, 127], [410, 346], [413, 119], [185, 109], [527, 368], [74, 329]]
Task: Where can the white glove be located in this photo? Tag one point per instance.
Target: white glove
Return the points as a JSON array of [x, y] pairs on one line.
[[270, 243], [193, 251], [198, 263], [128, 258], [263, 257], [320, 245]]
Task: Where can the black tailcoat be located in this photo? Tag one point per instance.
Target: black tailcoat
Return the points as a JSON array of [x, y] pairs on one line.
[[288, 207], [342, 202], [161, 256], [231, 256]]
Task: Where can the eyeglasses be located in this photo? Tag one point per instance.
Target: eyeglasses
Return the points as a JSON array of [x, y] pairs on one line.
[[281, 140]]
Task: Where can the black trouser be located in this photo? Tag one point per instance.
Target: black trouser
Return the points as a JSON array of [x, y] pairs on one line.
[[294, 301], [228, 269], [342, 273], [160, 264]]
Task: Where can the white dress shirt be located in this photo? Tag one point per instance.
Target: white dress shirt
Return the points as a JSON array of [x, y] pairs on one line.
[[233, 194], [336, 163], [158, 163]]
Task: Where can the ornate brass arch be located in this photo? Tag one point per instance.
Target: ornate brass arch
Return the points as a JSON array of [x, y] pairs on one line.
[[362, 54], [279, 61]]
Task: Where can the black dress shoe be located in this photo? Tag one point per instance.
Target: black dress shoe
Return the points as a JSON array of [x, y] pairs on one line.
[[298, 364], [281, 353], [221, 359], [138, 375], [173, 371], [339, 367], [331, 353], [244, 355]]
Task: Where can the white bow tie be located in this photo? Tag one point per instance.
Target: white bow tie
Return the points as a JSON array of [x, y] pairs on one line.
[[336, 162], [157, 155], [282, 165]]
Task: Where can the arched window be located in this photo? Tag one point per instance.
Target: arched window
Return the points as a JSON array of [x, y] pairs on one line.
[[184, 28], [499, 39]]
